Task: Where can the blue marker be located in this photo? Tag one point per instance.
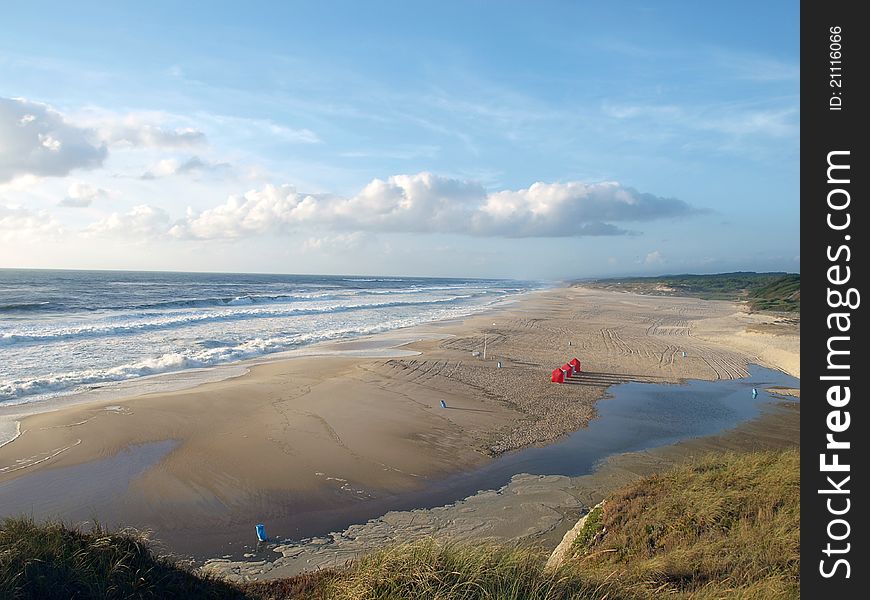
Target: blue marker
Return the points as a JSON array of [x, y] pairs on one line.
[[261, 532]]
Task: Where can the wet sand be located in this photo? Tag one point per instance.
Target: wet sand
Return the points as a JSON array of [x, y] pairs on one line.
[[531, 510], [304, 442]]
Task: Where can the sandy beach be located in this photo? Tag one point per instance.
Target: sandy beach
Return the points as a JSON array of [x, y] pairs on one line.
[[532, 510], [297, 441]]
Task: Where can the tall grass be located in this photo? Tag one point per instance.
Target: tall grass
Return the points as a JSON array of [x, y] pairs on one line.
[[446, 571], [725, 526], [48, 561]]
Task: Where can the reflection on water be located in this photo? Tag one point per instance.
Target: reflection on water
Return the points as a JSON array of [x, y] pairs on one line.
[[90, 491], [639, 416]]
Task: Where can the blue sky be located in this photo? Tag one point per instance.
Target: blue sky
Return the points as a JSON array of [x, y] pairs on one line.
[[532, 140]]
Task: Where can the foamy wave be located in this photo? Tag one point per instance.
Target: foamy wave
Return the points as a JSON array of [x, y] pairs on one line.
[[184, 319], [96, 344], [178, 361], [173, 361], [245, 299], [371, 279]]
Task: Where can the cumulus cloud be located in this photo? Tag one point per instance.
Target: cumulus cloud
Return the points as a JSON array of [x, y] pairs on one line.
[[171, 166], [37, 140], [427, 203], [421, 203], [144, 221], [654, 258], [80, 195], [18, 222]]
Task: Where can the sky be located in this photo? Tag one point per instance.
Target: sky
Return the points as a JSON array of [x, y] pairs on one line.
[[533, 140]]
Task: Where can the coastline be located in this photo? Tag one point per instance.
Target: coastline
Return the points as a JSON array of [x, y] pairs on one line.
[[313, 434], [386, 344]]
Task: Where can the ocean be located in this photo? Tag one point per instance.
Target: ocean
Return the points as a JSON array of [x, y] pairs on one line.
[[63, 332]]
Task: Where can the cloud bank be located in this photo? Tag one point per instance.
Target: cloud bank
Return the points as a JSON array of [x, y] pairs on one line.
[[420, 203], [142, 221], [19, 222]]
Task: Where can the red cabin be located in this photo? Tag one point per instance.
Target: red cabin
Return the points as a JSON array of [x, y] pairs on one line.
[[558, 376], [576, 364], [569, 370]]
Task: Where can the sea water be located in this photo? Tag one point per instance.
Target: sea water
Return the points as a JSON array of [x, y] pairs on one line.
[[63, 332]]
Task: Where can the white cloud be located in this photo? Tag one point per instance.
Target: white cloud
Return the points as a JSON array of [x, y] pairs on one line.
[[142, 129], [144, 221], [421, 203], [172, 166], [17, 222], [80, 195], [654, 258], [131, 133], [427, 203], [37, 140]]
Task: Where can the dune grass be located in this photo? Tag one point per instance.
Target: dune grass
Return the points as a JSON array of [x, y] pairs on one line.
[[52, 560], [430, 569], [726, 526]]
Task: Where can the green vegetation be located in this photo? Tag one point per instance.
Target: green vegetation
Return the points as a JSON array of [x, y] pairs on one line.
[[592, 528], [728, 525], [455, 572], [763, 291], [783, 294], [724, 526], [51, 560]]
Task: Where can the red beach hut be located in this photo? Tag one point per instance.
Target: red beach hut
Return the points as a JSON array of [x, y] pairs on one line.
[[576, 364], [558, 376], [569, 370]]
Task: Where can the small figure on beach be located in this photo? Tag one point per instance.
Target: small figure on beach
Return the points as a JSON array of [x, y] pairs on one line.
[[443, 404], [754, 393], [261, 532]]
